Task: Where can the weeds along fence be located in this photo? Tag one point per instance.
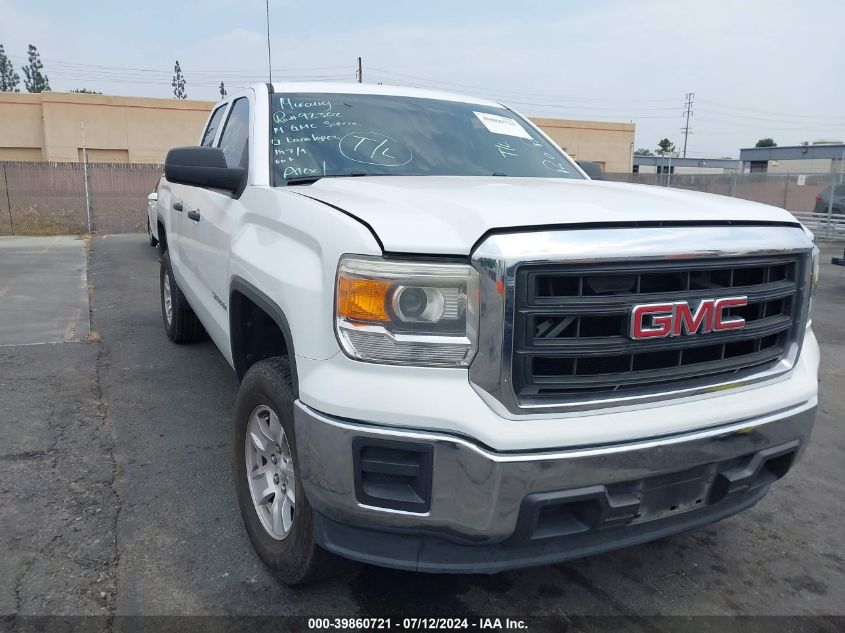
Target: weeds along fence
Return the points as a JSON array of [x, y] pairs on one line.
[[46, 198]]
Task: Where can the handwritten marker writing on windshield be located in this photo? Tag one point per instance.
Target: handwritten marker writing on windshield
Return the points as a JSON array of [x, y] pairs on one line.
[[505, 149]]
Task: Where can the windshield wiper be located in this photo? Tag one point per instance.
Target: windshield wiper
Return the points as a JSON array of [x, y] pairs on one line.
[[307, 180]]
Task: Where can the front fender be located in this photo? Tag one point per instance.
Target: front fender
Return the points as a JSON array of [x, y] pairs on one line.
[[287, 247]]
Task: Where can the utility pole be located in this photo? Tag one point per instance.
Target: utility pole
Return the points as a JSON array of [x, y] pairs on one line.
[[360, 73], [669, 175], [687, 113], [269, 60]]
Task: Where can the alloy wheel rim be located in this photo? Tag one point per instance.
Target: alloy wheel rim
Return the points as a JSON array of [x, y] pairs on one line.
[[168, 299], [270, 472]]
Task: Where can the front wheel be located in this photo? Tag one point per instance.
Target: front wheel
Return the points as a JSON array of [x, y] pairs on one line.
[[275, 511]]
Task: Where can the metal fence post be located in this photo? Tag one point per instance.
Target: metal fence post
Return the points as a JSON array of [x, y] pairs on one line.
[[89, 210], [830, 203], [88, 207], [785, 190], [8, 201]]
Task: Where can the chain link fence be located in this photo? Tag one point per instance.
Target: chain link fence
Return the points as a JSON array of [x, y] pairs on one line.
[[50, 198], [807, 196]]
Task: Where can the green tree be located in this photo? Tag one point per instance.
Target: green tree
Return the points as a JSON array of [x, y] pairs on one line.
[[665, 146], [178, 82], [9, 79], [85, 91], [766, 142], [223, 92], [643, 151], [34, 79]]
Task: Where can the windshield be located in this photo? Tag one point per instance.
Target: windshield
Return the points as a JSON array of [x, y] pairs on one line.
[[320, 135]]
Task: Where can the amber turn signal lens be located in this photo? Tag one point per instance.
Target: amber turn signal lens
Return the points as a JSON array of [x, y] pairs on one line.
[[362, 299]]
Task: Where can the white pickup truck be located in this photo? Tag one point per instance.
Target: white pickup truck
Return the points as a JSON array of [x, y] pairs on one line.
[[457, 353]]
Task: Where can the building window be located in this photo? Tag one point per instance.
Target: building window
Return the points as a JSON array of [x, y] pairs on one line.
[[665, 169], [759, 166]]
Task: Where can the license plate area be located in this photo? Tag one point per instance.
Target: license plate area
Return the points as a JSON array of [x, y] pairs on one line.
[[673, 494]]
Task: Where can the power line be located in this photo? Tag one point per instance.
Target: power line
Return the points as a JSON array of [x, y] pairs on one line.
[[719, 119], [214, 73], [734, 108], [758, 118], [463, 86], [518, 100]]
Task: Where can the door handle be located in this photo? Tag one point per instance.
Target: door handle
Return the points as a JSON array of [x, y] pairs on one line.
[[178, 206], [194, 215]]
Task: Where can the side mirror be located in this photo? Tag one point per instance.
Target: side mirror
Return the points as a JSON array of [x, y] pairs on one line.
[[203, 167], [593, 170]]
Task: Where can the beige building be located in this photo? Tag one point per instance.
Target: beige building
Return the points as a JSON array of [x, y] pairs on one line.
[[51, 126], [611, 145]]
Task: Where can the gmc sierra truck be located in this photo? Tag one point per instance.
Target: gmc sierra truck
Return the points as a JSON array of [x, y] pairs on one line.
[[457, 352]]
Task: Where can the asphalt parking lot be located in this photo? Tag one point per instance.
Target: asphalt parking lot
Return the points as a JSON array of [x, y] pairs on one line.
[[116, 493]]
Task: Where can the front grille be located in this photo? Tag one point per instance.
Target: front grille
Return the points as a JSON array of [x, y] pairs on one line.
[[571, 325]]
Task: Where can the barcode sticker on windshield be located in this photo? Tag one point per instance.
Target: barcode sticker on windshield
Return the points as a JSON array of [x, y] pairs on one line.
[[502, 125]]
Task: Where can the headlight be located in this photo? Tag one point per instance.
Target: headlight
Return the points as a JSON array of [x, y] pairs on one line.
[[407, 313]]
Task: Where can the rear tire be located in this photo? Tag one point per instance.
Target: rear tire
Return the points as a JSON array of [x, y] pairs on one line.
[[180, 322], [267, 472]]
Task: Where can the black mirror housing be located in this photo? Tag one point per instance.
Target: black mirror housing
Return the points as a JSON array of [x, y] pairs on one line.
[[203, 167], [593, 170]]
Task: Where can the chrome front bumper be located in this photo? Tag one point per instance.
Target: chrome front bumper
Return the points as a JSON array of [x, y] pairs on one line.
[[478, 495]]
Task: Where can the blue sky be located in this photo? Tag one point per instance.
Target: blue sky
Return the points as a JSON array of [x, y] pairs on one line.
[[758, 68]]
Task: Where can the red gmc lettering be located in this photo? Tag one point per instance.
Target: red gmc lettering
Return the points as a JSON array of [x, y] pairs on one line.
[[658, 320], [661, 325], [719, 322], [684, 319]]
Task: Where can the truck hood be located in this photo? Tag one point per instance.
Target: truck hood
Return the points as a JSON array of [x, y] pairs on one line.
[[447, 214]]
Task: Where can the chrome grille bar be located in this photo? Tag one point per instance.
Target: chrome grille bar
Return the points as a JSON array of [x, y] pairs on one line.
[[555, 307]]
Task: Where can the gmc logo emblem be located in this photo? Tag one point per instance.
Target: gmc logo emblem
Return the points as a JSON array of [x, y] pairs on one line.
[[658, 320]]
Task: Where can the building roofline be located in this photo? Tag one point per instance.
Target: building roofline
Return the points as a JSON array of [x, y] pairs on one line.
[[689, 161], [793, 152]]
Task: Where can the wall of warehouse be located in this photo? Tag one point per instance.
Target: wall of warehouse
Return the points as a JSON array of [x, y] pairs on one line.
[[51, 126], [609, 144]]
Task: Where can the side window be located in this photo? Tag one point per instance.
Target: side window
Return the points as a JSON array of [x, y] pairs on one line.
[[213, 124], [235, 138]]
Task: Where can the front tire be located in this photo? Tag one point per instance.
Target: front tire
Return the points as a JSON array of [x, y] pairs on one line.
[[180, 322], [275, 511]]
